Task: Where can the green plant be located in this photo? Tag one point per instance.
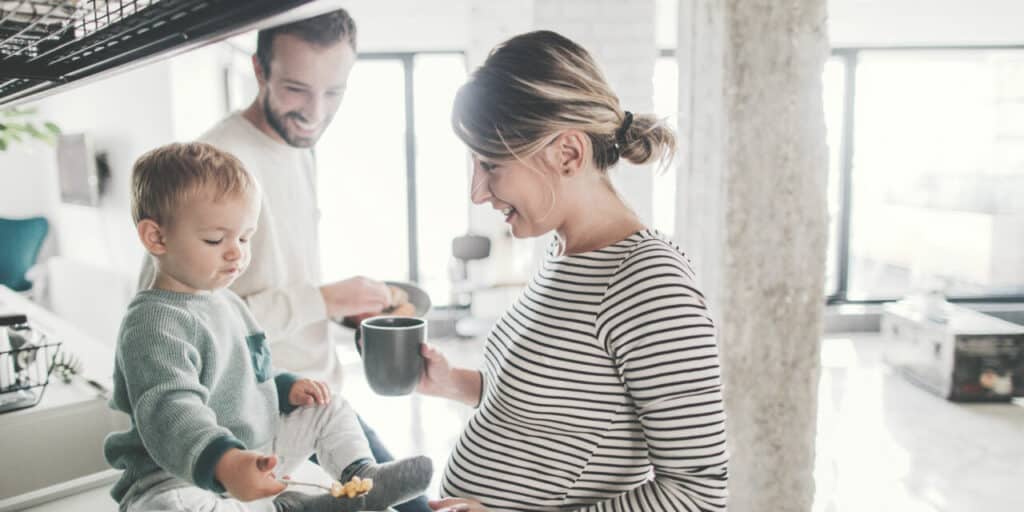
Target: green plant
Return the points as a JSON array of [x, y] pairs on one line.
[[17, 124]]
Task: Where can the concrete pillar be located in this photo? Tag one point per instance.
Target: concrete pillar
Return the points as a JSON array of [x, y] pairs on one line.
[[752, 216]]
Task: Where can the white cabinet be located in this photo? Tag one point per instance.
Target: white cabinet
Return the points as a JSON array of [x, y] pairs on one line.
[[56, 447]]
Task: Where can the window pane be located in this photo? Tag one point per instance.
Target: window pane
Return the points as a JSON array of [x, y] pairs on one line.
[[833, 89], [362, 192], [442, 169], [666, 101], [938, 174]]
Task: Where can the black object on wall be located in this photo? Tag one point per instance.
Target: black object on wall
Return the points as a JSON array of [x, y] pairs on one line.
[[47, 45]]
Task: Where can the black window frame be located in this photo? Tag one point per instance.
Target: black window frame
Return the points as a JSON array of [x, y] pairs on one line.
[[849, 55], [408, 60]]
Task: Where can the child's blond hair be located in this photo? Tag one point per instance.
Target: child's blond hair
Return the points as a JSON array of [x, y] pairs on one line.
[[165, 176]]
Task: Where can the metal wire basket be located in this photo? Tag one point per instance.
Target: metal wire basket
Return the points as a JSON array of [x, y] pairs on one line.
[[24, 374], [45, 44]]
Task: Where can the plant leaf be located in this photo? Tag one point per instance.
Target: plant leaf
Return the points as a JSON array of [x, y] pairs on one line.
[[19, 112], [3, 145], [54, 129]]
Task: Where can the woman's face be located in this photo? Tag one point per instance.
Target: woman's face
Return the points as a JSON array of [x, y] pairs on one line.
[[524, 193]]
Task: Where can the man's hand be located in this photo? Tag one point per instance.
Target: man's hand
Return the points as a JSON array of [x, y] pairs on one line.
[[354, 296], [309, 392], [248, 475]]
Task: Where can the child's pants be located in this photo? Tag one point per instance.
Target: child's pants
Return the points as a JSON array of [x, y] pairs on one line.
[[331, 431]]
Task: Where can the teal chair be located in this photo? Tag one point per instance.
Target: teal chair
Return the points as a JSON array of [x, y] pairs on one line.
[[20, 241]]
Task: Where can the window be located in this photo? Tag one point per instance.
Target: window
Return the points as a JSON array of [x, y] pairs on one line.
[[442, 169], [834, 87], [936, 173], [666, 101], [666, 106], [393, 180], [362, 177]]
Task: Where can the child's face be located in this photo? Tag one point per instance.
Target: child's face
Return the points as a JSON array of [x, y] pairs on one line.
[[207, 242]]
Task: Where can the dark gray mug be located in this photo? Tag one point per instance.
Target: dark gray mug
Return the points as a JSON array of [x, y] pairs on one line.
[[391, 353]]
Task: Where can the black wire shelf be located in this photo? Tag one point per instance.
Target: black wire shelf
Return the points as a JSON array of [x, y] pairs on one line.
[[45, 44]]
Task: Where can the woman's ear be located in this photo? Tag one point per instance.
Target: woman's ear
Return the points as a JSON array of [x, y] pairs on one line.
[[571, 149], [151, 236]]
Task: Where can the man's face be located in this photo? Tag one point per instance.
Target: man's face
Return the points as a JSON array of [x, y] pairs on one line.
[[304, 88]]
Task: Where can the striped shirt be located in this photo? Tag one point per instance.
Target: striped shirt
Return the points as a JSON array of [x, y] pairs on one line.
[[601, 390]]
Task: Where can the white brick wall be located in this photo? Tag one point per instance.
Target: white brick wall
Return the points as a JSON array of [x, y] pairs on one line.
[[620, 35], [411, 25]]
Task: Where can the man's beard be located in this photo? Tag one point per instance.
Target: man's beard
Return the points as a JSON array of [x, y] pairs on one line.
[[277, 122]]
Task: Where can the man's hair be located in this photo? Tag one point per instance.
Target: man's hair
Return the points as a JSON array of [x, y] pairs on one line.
[[323, 30], [164, 177]]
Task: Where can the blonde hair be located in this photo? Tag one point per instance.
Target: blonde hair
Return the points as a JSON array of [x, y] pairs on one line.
[[165, 176], [536, 85]]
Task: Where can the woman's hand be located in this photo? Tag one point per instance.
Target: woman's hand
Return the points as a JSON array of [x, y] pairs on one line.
[[440, 379], [248, 475], [436, 379], [309, 392], [457, 505]]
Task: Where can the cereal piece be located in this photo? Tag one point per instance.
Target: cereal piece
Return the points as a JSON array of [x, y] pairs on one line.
[[407, 309], [337, 489], [355, 487], [398, 296]]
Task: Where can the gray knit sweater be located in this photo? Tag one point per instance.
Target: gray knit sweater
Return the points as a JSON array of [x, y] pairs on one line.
[[193, 372]]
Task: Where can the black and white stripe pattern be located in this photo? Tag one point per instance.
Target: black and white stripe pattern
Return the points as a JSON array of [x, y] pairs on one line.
[[601, 391]]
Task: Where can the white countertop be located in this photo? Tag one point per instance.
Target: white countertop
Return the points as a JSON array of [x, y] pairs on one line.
[[55, 447]]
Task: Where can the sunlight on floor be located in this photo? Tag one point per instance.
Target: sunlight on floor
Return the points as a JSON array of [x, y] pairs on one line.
[[886, 445]]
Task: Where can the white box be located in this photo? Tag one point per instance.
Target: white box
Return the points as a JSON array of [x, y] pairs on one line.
[[970, 356]]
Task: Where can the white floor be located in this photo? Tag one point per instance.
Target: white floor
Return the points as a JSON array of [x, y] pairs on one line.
[[883, 444]]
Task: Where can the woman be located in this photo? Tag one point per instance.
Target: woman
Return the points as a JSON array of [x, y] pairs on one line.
[[601, 388]]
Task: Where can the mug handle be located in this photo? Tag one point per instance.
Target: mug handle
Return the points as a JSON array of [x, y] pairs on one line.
[[359, 346]]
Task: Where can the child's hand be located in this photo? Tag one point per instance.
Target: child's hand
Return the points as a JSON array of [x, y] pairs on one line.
[[248, 475], [309, 392]]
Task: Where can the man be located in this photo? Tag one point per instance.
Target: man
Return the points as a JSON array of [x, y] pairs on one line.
[[302, 70]]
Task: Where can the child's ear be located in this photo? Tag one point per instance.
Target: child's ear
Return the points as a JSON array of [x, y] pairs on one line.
[[151, 236]]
